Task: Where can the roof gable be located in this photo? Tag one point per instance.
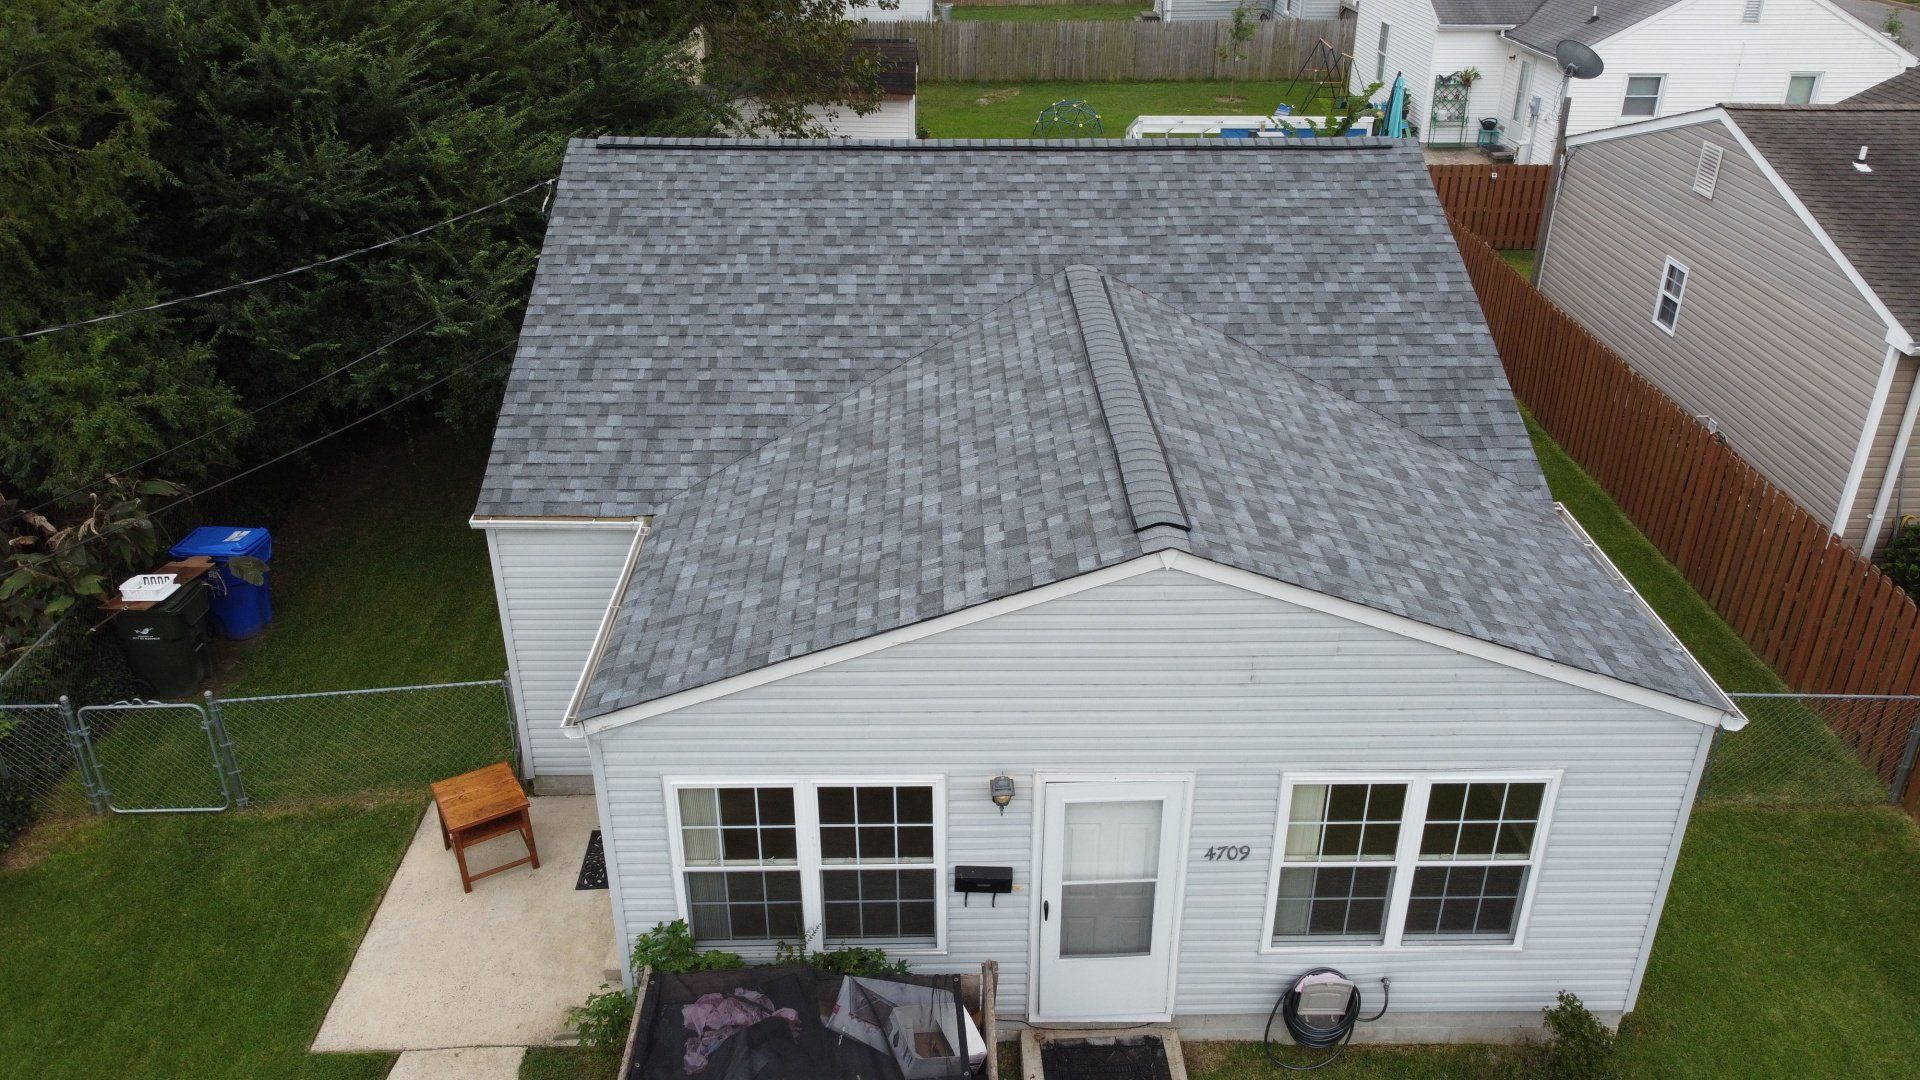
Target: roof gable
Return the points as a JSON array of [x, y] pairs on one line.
[[695, 298], [1075, 429]]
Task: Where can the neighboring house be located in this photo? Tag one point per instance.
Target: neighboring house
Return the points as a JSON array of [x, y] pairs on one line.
[[956, 482], [1738, 258], [1662, 57], [1187, 10], [897, 116], [907, 11]]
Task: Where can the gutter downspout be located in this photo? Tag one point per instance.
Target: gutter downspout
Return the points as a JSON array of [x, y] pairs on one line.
[[1875, 412], [1891, 480]]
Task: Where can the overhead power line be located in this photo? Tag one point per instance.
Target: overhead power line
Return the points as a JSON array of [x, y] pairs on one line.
[[329, 261], [302, 448], [250, 414]]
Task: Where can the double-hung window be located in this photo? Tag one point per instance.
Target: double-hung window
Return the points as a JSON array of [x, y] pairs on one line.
[[1407, 859], [1673, 292], [847, 863], [1380, 54], [1643, 95]]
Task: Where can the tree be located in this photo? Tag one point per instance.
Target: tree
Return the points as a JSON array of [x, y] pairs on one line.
[[1239, 32]]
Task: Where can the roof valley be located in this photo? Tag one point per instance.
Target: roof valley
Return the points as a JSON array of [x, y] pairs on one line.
[[1153, 499]]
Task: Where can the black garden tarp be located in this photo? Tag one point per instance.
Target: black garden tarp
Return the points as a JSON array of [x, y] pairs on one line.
[[794, 1022]]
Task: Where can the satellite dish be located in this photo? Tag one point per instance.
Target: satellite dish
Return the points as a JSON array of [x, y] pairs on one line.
[[1577, 60]]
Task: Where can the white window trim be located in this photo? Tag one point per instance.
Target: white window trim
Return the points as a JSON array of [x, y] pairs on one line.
[[1813, 96], [1406, 859], [1679, 300], [1659, 96], [1380, 46], [806, 820]]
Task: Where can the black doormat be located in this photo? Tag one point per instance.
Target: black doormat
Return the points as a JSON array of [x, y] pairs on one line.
[[593, 868], [1135, 1057]]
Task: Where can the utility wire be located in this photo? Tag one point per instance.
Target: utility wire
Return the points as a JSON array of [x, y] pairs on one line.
[[329, 261], [377, 350], [303, 447]]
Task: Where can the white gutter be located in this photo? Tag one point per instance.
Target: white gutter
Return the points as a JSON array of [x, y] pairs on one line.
[[478, 521], [1858, 471], [1891, 479], [568, 724]]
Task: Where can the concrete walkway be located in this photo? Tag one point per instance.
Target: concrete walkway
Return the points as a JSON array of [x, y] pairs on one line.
[[466, 1063], [498, 967]]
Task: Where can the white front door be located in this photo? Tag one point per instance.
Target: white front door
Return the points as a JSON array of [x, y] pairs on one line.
[[1109, 886]]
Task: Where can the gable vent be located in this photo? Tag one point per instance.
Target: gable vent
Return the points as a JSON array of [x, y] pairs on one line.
[[1708, 172], [1752, 12]]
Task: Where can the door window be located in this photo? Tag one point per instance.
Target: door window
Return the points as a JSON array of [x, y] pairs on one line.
[[1109, 878]]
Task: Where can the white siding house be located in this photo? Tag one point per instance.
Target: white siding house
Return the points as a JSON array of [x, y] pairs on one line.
[[964, 551], [907, 11], [1089, 685], [1662, 57], [553, 581]]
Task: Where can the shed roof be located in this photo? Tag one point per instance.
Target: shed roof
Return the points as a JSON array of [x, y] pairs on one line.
[[1079, 424], [1872, 217], [694, 298]]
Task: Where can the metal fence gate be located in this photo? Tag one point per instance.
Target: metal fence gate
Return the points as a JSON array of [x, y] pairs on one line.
[[162, 758]]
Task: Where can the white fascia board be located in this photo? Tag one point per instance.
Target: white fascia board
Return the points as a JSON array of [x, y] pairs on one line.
[[1464, 644], [479, 522], [1729, 717], [1857, 471], [1897, 336], [600, 636]]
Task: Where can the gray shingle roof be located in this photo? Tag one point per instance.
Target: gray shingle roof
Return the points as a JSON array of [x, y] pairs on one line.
[[1873, 217], [1557, 20], [694, 298], [1483, 12], [1078, 425]]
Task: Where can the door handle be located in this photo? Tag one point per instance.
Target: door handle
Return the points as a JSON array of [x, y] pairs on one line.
[[1046, 909]]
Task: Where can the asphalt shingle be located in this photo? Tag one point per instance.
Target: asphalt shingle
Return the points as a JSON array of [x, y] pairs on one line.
[[1079, 425], [695, 298]]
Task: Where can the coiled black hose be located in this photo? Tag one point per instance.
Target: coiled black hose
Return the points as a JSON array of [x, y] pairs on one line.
[[1314, 1037]]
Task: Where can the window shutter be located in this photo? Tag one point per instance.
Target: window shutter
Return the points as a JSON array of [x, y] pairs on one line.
[[1752, 13], [1708, 172]]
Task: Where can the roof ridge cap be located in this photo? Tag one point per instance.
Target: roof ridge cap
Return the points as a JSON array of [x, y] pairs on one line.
[[1146, 476]]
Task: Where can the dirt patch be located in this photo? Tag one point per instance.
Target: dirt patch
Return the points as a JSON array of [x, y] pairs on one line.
[[995, 97]]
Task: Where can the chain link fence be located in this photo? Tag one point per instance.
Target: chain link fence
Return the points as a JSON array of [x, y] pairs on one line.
[[71, 659], [1816, 750], [143, 757]]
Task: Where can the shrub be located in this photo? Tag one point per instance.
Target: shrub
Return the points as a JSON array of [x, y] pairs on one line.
[[847, 960], [602, 1023], [669, 946], [1581, 1047], [1901, 560]]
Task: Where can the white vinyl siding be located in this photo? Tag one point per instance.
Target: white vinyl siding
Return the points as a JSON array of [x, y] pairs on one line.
[[895, 118], [553, 584], [1711, 55], [1410, 51], [907, 11], [1168, 671], [1777, 347]]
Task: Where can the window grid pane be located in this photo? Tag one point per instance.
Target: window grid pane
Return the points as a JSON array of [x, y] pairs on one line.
[[1320, 902], [1481, 822], [738, 827], [876, 825], [896, 906], [744, 905], [1344, 823]]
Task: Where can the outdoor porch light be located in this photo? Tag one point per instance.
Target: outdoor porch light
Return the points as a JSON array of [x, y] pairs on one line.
[[1002, 791]]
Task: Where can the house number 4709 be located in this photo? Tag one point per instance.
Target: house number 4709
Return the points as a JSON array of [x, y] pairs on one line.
[[1230, 853]]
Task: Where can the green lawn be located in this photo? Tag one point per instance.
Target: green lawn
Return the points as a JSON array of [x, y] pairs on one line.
[[1047, 12], [377, 580], [191, 946], [1521, 259], [954, 110]]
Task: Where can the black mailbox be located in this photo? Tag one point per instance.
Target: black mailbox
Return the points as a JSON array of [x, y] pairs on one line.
[[992, 880]]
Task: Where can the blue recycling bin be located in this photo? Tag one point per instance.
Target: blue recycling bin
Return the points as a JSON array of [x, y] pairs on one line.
[[240, 610]]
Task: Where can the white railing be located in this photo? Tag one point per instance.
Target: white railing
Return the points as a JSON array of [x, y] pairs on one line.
[[1146, 127]]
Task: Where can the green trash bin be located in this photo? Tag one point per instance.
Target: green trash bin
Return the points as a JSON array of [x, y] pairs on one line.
[[167, 643]]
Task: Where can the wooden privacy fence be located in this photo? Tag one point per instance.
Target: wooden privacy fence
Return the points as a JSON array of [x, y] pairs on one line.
[[1107, 51], [1823, 616], [1500, 204]]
